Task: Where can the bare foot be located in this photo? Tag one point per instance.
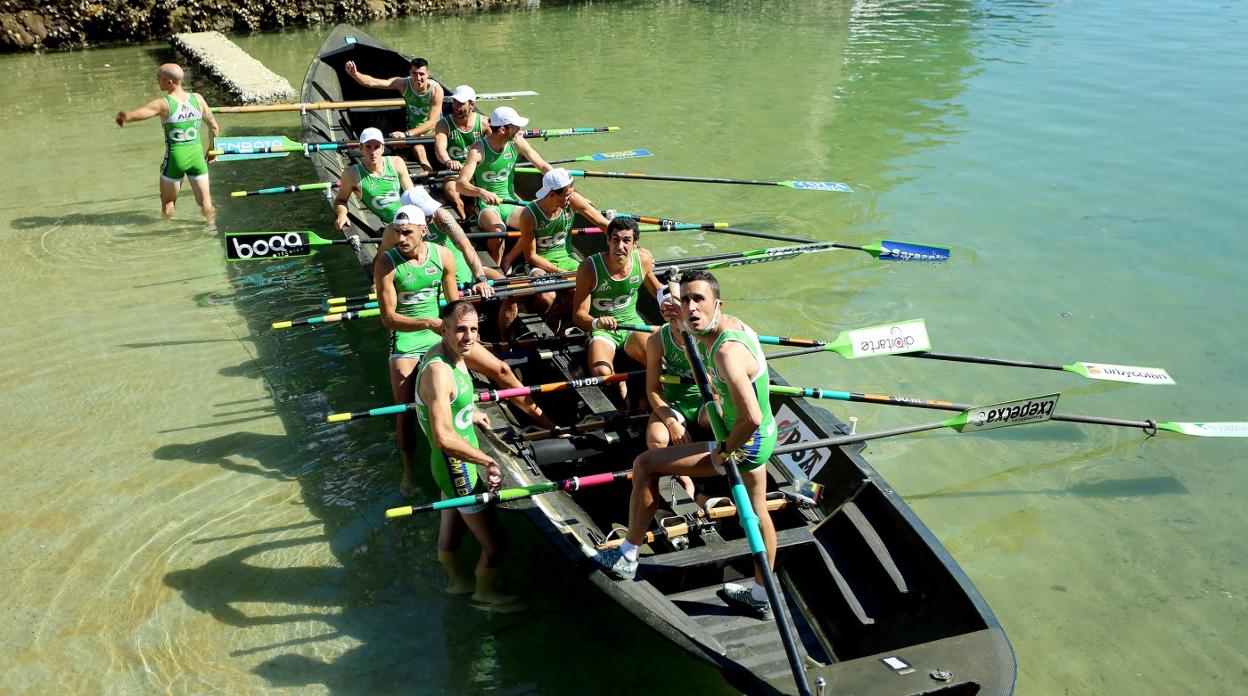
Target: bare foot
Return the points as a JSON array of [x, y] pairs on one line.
[[458, 586], [503, 604], [407, 488]]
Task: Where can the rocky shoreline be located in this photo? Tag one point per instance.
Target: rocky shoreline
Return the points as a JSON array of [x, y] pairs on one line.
[[27, 25]]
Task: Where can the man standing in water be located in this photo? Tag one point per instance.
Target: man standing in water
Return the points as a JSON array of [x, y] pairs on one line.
[[447, 414], [182, 115], [738, 374], [422, 96]]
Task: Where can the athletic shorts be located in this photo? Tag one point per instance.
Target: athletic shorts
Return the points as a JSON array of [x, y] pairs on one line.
[[688, 403], [564, 262], [504, 211], [456, 478], [755, 452], [616, 337], [183, 161], [412, 344]]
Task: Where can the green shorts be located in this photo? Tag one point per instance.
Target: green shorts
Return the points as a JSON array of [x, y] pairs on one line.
[[564, 262], [616, 337], [687, 402], [504, 211], [184, 161], [456, 478], [412, 344]]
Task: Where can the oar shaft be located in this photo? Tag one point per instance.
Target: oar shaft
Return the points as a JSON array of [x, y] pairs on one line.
[[950, 357], [853, 439], [579, 428], [509, 494]]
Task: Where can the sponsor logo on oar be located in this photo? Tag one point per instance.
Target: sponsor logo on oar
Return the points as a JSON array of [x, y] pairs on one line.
[[901, 251], [889, 339], [242, 246], [1034, 410], [1124, 373]]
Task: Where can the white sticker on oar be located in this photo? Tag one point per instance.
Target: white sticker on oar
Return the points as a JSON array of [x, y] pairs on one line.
[[1208, 429], [1123, 373], [890, 339], [1034, 410]]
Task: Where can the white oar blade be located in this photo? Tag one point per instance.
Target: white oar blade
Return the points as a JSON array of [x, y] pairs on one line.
[[1224, 429], [887, 339], [1120, 373], [1034, 410], [623, 154], [495, 96], [834, 186]]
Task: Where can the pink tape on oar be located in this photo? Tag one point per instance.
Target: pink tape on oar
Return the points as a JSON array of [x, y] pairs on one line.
[[499, 394], [592, 480]]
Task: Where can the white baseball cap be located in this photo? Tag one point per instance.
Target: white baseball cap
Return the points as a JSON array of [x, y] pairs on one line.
[[409, 215], [419, 197], [507, 116], [371, 134], [554, 179], [464, 94]]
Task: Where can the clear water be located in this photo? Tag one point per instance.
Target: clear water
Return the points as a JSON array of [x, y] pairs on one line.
[[178, 518]]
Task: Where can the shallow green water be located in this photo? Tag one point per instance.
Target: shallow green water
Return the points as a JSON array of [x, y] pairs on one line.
[[178, 517]]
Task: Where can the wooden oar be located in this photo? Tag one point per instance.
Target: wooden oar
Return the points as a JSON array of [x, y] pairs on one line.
[[359, 104], [492, 395], [253, 246], [507, 494], [885, 339], [745, 508], [799, 185], [264, 146]]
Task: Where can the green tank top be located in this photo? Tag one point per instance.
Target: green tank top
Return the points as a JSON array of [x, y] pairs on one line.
[[553, 236], [495, 172], [458, 141], [437, 235], [418, 287], [675, 362], [418, 105], [615, 298], [762, 383], [183, 123], [380, 192], [462, 410]]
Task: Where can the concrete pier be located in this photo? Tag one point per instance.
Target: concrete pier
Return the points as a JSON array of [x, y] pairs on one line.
[[243, 77]]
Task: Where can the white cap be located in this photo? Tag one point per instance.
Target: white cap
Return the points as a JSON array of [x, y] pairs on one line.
[[371, 134], [419, 197], [409, 215], [554, 179], [507, 116], [464, 94]]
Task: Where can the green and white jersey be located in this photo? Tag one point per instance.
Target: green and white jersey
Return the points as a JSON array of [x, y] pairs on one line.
[[454, 477], [553, 236], [616, 298], [458, 141], [676, 362], [418, 105], [762, 383], [380, 193], [496, 170], [183, 123], [419, 288]]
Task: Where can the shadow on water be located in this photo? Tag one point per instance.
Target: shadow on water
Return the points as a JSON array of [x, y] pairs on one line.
[[85, 220], [166, 344], [1140, 487]]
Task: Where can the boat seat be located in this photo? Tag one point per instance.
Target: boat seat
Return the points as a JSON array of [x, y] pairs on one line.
[[876, 544], [650, 566]]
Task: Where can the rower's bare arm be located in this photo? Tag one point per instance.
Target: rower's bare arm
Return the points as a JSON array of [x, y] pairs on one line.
[[586, 208], [450, 225], [650, 280], [450, 289], [209, 118], [442, 136], [400, 168], [155, 107], [437, 386], [395, 83], [464, 181], [389, 238], [580, 300], [734, 360], [654, 370], [524, 148], [346, 186]]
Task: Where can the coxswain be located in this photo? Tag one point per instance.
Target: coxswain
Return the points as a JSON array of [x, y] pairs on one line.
[[182, 115]]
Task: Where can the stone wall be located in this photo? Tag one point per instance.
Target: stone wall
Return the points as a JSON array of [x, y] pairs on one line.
[[61, 24]]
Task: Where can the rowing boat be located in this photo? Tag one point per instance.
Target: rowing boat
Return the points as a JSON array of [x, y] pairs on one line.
[[879, 606]]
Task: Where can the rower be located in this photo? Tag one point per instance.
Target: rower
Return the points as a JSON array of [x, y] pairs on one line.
[[738, 373], [422, 97], [447, 415], [545, 226], [606, 295], [488, 173], [674, 408], [182, 115], [380, 180], [454, 135]]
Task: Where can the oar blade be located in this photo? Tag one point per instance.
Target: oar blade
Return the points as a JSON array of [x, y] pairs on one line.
[[1223, 429], [622, 154], [906, 251], [885, 339], [833, 186], [243, 147], [253, 246], [1037, 409], [1120, 373]]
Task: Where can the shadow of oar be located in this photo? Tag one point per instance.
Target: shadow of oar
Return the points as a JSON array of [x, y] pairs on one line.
[[1140, 487]]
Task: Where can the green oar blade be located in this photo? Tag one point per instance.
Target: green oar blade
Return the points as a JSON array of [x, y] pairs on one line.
[[885, 339], [1120, 373], [252, 246], [1224, 429], [1034, 410]]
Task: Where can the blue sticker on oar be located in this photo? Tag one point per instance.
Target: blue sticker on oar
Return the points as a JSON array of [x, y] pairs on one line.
[[902, 251]]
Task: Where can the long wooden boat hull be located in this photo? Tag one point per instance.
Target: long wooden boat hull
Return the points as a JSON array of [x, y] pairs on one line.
[[879, 605]]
